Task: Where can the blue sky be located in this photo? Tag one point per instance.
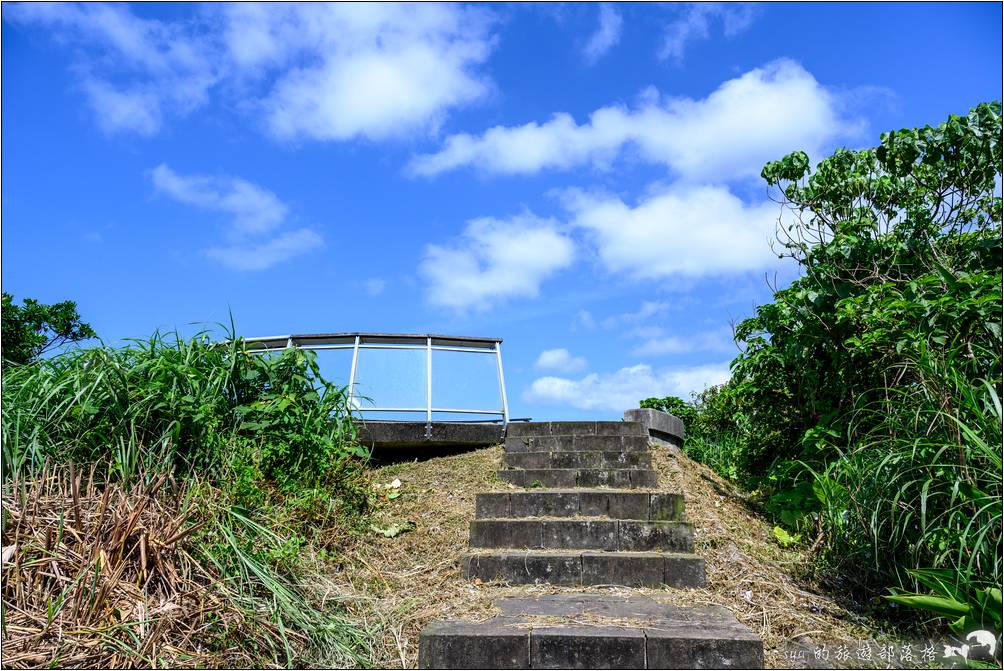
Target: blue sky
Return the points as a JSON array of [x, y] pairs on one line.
[[580, 180]]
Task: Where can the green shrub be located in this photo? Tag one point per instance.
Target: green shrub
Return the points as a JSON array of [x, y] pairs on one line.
[[33, 329], [865, 406], [195, 405], [720, 454], [877, 373], [673, 405], [900, 247], [263, 458]]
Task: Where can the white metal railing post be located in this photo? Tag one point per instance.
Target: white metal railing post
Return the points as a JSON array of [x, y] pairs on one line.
[[505, 402], [428, 387], [352, 374]]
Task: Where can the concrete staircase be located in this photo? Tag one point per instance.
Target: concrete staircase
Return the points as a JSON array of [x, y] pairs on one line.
[[590, 515]]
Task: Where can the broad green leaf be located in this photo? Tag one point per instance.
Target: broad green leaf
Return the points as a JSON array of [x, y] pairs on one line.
[[932, 603]]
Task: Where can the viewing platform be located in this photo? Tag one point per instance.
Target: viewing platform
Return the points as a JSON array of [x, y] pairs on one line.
[[414, 390]]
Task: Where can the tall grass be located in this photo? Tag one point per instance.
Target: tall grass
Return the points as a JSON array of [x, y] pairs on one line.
[[720, 453], [262, 447], [910, 499], [243, 550], [922, 489], [168, 403], [99, 576], [153, 404]]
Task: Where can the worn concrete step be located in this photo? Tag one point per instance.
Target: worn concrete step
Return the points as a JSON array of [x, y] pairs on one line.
[[529, 635], [590, 459], [568, 533], [616, 428], [577, 443], [627, 478], [622, 505], [586, 567]]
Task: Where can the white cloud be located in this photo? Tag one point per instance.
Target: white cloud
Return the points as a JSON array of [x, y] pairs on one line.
[[135, 111], [253, 209], [270, 252], [254, 216], [560, 360], [647, 310], [694, 23], [622, 389], [731, 134], [683, 232], [607, 34], [583, 320], [348, 70], [647, 332], [317, 71], [495, 260], [156, 66], [374, 286], [656, 342]]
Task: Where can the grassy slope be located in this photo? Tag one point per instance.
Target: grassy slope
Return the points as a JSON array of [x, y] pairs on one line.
[[97, 576], [395, 586]]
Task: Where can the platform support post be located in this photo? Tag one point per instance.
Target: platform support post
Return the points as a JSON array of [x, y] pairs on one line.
[[352, 374], [428, 388], [505, 402]]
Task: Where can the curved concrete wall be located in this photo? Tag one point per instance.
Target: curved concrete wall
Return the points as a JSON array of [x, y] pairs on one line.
[[663, 428]]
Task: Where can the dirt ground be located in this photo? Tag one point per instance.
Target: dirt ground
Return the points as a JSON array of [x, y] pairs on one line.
[[396, 585]]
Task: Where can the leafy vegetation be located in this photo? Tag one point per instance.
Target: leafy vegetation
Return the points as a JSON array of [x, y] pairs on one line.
[[710, 423], [32, 329], [674, 406], [253, 459], [967, 608], [194, 405], [865, 406]]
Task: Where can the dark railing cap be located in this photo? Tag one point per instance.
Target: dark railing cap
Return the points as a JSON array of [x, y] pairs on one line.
[[374, 339]]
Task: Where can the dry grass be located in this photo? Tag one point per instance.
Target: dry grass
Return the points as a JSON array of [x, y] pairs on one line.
[[98, 577], [93, 577], [748, 572], [395, 586]]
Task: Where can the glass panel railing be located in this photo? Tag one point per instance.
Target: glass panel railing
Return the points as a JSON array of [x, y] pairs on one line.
[[465, 381], [335, 365], [394, 379], [390, 378]]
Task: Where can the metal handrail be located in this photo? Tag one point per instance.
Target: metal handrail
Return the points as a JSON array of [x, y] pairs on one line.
[[357, 341]]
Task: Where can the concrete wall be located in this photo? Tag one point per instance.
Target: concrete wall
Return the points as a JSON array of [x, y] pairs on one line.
[[663, 428], [441, 434]]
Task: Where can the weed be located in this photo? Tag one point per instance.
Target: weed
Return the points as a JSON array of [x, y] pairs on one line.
[[255, 454]]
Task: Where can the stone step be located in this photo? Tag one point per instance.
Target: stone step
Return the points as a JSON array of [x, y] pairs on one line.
[[581, 503], [525, 636], [576, 533], [591, 459], [586, 567], [576, 443], [626, 478], [616, 428]]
